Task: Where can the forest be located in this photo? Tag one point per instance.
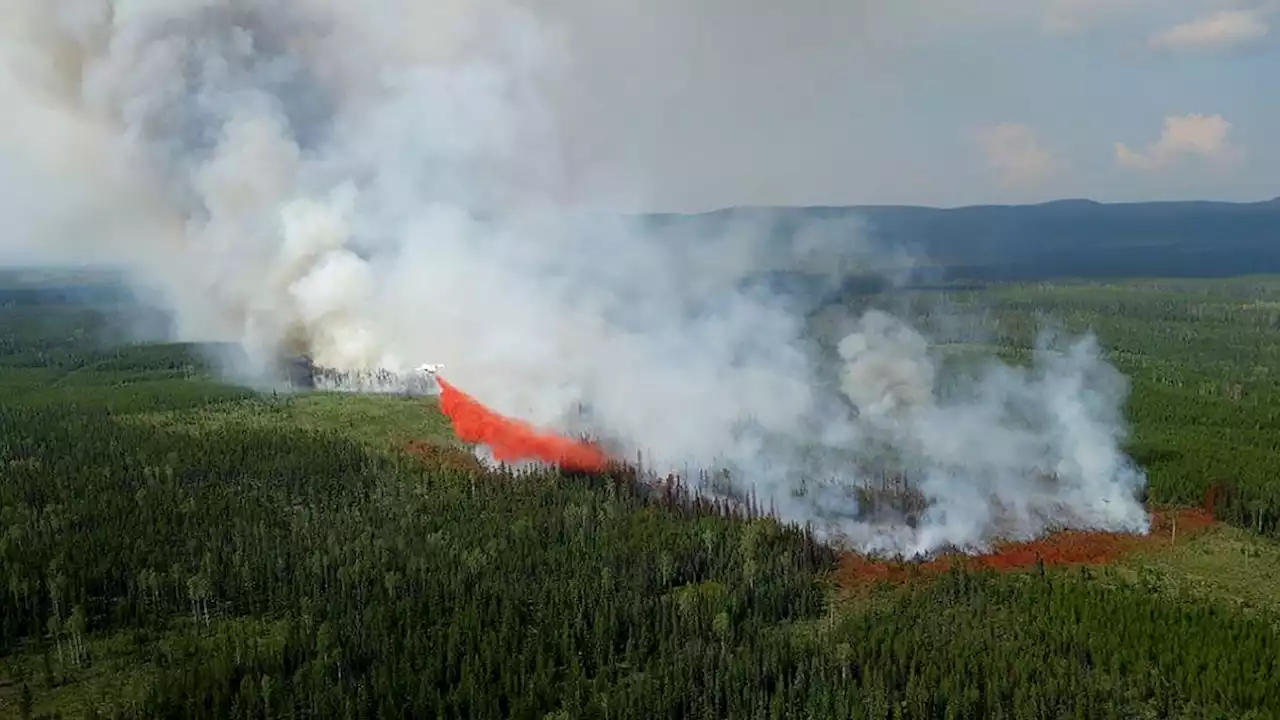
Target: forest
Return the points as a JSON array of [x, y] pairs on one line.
[[174, 546]]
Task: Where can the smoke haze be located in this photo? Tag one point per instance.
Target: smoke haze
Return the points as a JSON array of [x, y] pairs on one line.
[[387, 183]]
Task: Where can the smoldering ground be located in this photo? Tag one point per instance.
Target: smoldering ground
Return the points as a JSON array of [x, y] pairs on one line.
[[386, 183]]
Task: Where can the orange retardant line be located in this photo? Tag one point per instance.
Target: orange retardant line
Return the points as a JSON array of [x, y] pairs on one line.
[[511, 440]]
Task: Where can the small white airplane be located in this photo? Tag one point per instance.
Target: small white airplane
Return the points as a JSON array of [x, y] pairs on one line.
[[430, 368]]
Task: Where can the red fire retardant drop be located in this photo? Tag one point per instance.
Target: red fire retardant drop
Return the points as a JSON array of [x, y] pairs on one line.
[[511, 440]]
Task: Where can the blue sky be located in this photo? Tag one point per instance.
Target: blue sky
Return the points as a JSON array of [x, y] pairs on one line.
[[677, 104]]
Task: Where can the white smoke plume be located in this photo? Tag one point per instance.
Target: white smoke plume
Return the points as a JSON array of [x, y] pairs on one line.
[[384, 183], [1018, 451]]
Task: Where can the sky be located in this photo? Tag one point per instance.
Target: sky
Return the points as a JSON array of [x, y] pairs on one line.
[[689, 105]]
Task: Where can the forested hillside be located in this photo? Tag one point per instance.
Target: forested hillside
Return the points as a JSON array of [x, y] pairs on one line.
[[1063, 239], [173, 546]]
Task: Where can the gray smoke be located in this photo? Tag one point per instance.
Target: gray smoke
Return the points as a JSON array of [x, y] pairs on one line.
[[385, 183], [1017, 452]]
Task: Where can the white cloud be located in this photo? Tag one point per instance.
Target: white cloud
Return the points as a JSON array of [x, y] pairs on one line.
[[1190, 135], [1218, 30], [1229, 18], [1016, 153]]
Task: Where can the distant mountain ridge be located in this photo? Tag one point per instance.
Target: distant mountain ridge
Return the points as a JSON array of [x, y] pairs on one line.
[[1068, 238], [1062, 238]]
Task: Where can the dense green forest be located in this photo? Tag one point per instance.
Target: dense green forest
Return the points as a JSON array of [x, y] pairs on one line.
[[171, 546]]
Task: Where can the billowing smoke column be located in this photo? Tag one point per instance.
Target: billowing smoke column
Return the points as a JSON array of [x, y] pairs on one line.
[[378, 183], [1016, 451]]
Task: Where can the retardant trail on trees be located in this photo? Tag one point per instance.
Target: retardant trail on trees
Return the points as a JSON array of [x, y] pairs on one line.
[[445, 457], [512, 440], [1062, 548]]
